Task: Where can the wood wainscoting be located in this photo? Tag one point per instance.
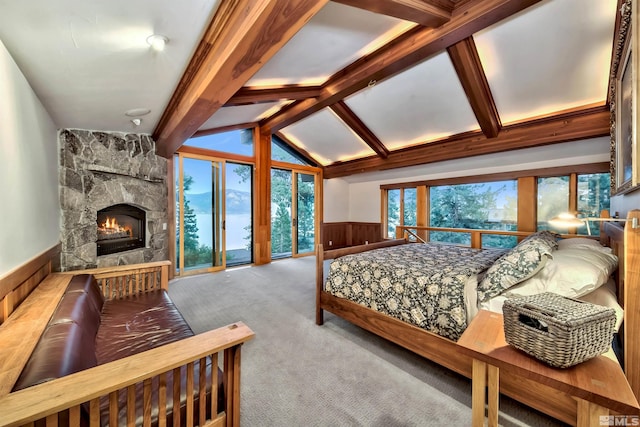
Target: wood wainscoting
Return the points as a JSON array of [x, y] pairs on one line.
[[16, 285], [336, 235]]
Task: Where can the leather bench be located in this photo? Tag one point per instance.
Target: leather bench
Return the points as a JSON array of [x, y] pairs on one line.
[[86, 330]]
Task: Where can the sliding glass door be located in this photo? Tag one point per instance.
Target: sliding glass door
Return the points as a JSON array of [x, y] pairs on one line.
[[293, 213], [305, 219], [281, 220], [200, 205], [238, 223], [213, 214]]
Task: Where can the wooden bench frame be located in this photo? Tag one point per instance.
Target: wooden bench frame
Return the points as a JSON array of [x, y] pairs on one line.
[[21, 330]]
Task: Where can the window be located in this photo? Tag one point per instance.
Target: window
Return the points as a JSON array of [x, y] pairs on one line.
[[293, 212], [238, 213], [294, 203], [467, 202], [214, 202], [280, 151], [591, 193], [393, 212], [594, 193], [234, 142], [553, 199], [401, 209], [410, 206], [199, 225], [488, 206]]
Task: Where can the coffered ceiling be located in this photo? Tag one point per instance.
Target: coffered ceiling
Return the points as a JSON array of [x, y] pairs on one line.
[[356, 85]]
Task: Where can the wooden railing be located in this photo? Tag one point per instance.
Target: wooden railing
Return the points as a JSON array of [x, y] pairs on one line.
[[118, 282], [69, 393], [421, 233]]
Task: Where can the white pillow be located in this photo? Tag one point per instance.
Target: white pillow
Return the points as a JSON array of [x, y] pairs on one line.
[[571, 272], [606, 296], [582, 243], [532, 286]]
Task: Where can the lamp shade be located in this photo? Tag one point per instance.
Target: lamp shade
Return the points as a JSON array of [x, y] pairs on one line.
[[566, 220]]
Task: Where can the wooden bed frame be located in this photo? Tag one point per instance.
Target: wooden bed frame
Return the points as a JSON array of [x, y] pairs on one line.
[[625, 243]]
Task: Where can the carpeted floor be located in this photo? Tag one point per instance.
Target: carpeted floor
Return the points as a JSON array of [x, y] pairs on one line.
[[295, 373]]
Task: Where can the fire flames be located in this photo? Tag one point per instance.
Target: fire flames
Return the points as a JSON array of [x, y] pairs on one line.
[[111, 229]]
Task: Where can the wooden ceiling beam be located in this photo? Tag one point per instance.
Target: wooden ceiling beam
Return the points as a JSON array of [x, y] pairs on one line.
[[400, 54], [588, 123], [256, 95], [429, 13], [243, 35], [353, 121], [466, 62]]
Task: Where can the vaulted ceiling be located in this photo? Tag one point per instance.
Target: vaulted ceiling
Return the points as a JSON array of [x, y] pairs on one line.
[[367, 85], [356, 85]]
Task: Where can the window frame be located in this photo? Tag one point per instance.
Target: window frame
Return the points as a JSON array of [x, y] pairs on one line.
[[527, 191]]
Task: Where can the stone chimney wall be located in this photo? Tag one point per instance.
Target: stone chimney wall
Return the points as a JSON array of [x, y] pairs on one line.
[[100, 169]]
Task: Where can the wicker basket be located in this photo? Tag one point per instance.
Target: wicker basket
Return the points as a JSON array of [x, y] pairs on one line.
[[559, 331]]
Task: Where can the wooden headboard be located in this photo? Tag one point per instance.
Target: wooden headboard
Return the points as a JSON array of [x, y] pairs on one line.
[[625, 243]]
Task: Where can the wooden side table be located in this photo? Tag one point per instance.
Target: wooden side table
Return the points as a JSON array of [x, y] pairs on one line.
[[598, 385]]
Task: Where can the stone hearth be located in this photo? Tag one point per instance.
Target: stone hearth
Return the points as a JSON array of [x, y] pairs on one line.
[[99, 169]]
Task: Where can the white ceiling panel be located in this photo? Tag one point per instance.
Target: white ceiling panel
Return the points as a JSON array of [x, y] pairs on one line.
[[327, 138], [89, 61], [334, 38], [226, 116], [425, 103], [538, 64]]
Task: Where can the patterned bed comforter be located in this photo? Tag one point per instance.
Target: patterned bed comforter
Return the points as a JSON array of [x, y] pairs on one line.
[[422, 284]]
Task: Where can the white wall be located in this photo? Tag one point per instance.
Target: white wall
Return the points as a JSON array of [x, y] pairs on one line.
[[336, 200], [624, 203], [30, 213], [363, 194]]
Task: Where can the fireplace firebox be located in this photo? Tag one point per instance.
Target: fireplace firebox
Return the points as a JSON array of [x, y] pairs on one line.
[[120, 228]]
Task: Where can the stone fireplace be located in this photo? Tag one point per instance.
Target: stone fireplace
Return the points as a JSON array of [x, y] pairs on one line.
[[116, 176]]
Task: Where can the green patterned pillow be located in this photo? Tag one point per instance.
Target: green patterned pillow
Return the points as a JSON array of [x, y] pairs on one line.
[[549, 237], [517, 265]]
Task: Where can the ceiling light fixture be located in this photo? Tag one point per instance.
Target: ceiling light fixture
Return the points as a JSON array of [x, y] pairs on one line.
[[136, 122], [157, 42], [137, 112]]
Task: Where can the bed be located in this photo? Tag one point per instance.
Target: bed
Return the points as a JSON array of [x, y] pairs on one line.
[[427, 285], [396, 320]]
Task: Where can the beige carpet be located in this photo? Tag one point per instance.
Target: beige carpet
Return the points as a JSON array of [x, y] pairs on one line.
[[295, 373]]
